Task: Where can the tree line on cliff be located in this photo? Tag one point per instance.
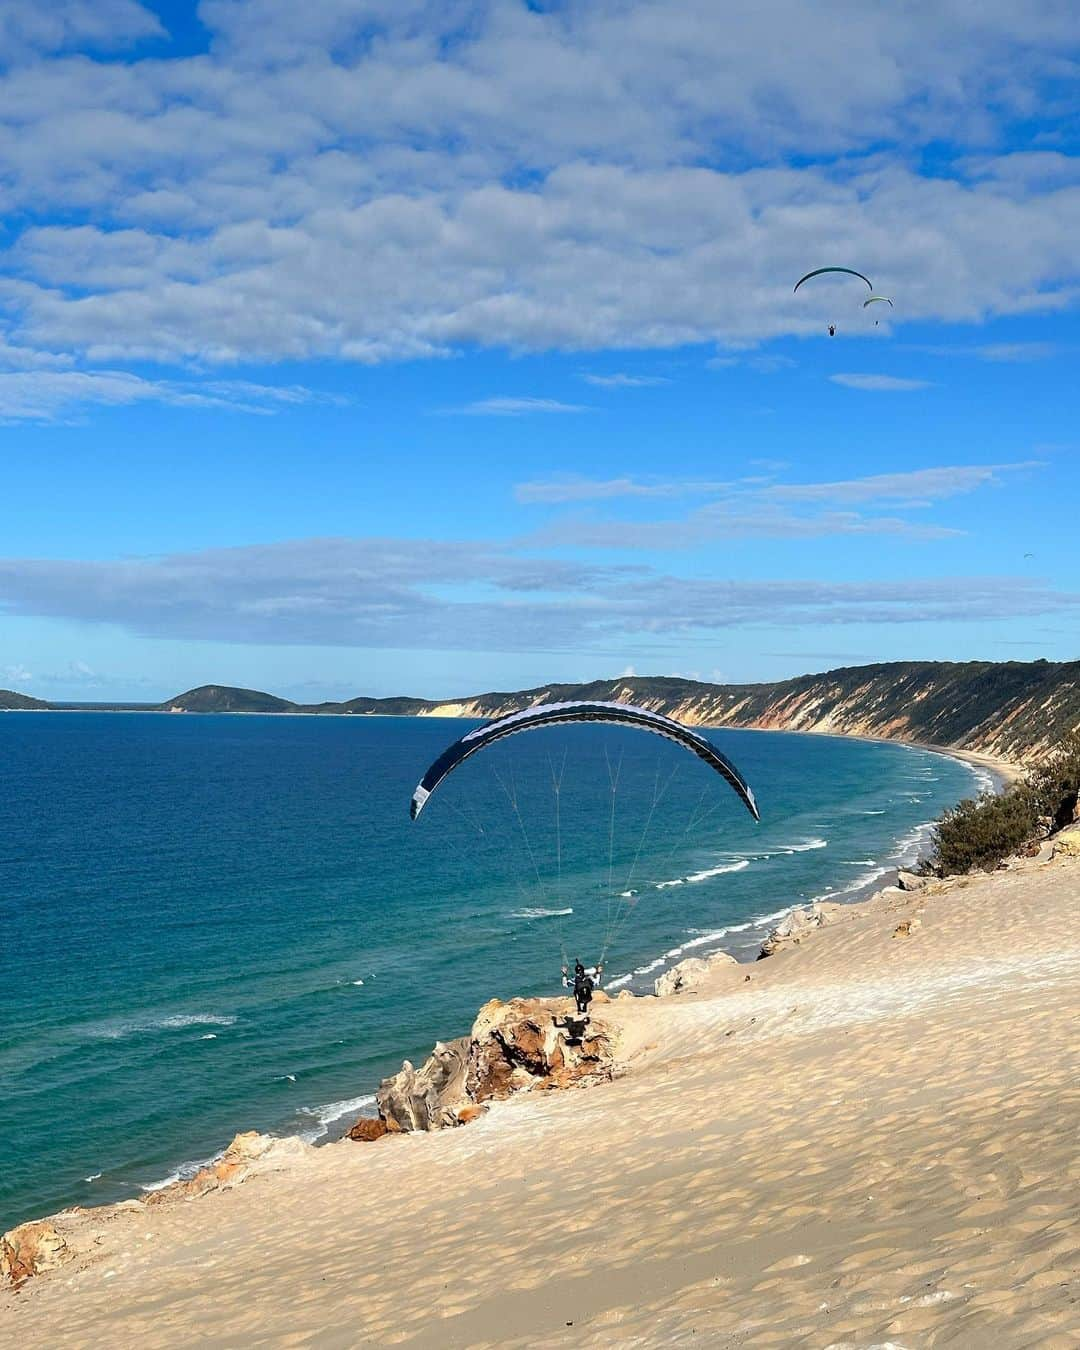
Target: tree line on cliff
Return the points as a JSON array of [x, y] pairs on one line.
[[1014, 709]]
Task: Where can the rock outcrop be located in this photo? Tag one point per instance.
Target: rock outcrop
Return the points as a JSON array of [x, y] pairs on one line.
[[249, 1152], [690, 974], [1067, 842], [911, 881], [518, 1046], [791, 930], [368, 1128], [533, 1043], [430, 1097], [31, 1249]]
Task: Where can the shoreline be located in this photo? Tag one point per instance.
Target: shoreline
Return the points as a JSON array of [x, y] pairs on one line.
[[1009, 770], [741, 940], [828, 1158]]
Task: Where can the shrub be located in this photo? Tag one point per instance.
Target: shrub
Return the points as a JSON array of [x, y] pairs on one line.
[[1055, 782], [980, 833]]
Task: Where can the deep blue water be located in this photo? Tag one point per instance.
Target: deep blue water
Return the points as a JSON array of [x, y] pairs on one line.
[[215, 923]]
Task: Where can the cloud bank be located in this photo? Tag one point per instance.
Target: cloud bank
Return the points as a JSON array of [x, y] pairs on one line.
[[380, 181]]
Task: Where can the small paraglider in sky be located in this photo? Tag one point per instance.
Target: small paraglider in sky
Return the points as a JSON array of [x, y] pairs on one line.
[[878, 300], [825, 271]]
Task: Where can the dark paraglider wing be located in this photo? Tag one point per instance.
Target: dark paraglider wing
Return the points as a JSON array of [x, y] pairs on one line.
[[819, 271], [558, 714], [878, 300]]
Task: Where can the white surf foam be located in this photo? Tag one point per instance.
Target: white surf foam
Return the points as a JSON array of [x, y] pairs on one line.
[[738, 866], [539, 913], [183, 1173], [174, 1022], [723, 868], [860, 883], [330, 1112]]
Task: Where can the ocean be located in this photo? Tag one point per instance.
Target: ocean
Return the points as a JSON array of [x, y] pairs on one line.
[[216, 923]]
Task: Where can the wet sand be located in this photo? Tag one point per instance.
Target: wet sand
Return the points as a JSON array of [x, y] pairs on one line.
[[873, 1140]]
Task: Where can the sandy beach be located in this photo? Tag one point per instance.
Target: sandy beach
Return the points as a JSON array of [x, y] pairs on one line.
[[868, 1139]]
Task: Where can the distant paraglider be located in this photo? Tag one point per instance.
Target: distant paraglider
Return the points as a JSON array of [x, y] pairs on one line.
[[821, 271], [844, 271], [878, 300]]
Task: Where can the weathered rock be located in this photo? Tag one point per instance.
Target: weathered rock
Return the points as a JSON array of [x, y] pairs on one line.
[[911, 881], [682, 979], [1067, 842], [429, 1097], [792, 929], [906, 927], [248, 1152], [525, 1044], [31, 1249], [691, 974], [468, 1114], [367, 1130]]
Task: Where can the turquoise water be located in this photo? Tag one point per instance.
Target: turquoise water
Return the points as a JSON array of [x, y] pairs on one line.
[[218, 923]]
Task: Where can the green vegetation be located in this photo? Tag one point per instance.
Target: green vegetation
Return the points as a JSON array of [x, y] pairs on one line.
[[1012, 709], [224, 698], [978, 834], [10, 701]]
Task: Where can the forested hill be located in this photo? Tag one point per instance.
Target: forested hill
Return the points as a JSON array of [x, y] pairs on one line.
[[1013, 709], [10, 701], [1010, 709]]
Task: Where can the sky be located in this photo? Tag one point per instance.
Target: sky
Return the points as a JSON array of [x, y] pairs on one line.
[[395, 347]]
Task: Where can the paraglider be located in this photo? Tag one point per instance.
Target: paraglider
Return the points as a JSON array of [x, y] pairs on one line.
[[620, 902], [878, 300], [820, 271], [823, 271], [559, 714]]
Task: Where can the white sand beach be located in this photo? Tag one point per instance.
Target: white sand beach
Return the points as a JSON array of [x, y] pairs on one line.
[[868, 1139]]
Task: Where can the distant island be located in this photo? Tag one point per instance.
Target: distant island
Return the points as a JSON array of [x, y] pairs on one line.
[[1009, 710]]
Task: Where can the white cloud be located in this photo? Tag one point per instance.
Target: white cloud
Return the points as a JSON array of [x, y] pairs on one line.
[[573, 489], [28, 27], [1017, 351], [913, 486], [880, 384], [516, 407], [393, 593], [625, 381], [376, 181], [44, 395], [760, 507], [906, 486]]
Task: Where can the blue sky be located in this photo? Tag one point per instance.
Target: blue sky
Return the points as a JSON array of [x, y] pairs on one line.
[[370, 347]]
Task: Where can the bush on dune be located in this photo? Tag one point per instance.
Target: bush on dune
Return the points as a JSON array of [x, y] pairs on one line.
[[1054, 784], [978, 834]]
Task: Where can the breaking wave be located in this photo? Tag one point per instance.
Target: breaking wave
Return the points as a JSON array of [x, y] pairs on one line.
[[113, 1031]]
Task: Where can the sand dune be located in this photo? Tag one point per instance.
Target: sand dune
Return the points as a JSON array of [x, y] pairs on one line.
[[875, 1140]]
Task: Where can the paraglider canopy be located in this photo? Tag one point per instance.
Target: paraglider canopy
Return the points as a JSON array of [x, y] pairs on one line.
[[558, 714], [878, 300], [821, 271]]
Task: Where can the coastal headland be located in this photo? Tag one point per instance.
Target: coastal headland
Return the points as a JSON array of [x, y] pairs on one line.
[[868, 1138], [1009, 711]]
